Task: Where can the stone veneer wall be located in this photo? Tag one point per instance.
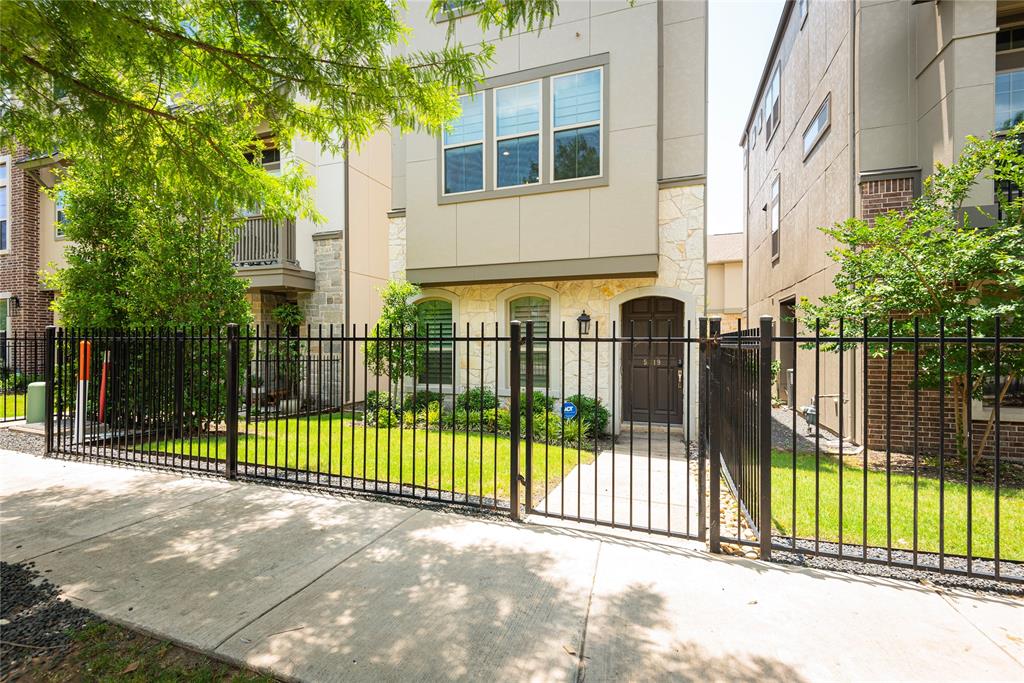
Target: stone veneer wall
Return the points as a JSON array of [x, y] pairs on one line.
[[19, 268], [681, 269], [325, 305]]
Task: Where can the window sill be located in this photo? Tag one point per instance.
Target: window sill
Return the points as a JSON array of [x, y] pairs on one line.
[[524, 190], [1006, 414]]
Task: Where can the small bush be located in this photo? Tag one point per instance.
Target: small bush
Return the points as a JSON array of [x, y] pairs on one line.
[[420, 400], [592, 412], [541, 403], [16, 381], [476, 400], [376, 400], [383, 417]]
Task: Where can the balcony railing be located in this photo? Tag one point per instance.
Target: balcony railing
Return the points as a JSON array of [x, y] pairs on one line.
[[265, 242]]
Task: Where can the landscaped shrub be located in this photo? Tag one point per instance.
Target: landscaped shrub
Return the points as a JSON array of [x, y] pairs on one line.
[[540, 402], [376, 400], [592, 412], [477, 399], [420, 400], [382, 417]]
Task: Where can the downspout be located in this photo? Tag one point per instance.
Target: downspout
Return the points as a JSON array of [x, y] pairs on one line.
[[854, 185], [346, 239]]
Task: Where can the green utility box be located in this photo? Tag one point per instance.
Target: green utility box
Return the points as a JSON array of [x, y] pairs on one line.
[[35, 402]]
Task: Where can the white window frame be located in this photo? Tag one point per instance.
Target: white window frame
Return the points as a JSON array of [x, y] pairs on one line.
[[6, 185], [504, 301], [482, 95], [775, 214], [58, 231], [599, 122], [769, 106], [453, 299], [825, 104], [500, 138]]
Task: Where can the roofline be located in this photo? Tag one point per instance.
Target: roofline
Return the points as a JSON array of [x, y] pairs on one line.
[[780, 32]]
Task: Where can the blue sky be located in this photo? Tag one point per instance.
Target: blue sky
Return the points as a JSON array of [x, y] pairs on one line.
[[740, 33]]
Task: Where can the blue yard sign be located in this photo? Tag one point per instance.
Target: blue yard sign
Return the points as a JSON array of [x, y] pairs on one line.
[[568, 410]]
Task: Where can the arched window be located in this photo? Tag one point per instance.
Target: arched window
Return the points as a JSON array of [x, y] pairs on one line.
[[537, 309], [435, 323]]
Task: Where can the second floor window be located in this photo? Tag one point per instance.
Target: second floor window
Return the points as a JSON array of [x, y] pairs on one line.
[[1009, 99], [59, 216], [576, 122], [3, 206], [817, 127], [464, 148], [517, 134], [774, 216]]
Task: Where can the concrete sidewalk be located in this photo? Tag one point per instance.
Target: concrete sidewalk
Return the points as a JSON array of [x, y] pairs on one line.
[[322, 587]]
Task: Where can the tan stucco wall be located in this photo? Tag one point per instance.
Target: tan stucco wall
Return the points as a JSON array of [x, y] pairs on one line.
[[618, 219], [51, 248]]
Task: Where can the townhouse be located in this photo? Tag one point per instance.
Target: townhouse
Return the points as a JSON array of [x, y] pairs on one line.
[[571, 188], [726, 288], [857, 103]]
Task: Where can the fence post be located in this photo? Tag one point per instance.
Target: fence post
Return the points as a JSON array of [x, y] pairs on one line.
[[231, 417], [529, 415], [764, 439], [714, 349], [515, 382], [702, 430], [179, 383], [49, 371]]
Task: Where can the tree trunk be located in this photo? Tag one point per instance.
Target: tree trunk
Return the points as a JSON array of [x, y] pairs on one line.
[[992, 418]]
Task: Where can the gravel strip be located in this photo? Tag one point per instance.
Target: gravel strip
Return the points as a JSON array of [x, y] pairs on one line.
[[19, 441], [926, 576], [33, 617]]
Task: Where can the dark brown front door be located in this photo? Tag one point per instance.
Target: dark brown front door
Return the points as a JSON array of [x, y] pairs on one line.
[[654, 373]]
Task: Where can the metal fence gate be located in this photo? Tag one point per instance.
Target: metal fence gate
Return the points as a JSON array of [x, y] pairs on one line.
[[535, 422]]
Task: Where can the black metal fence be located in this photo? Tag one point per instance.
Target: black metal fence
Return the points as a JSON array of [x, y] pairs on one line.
[[21, 363], [739, 366], [901, 449]]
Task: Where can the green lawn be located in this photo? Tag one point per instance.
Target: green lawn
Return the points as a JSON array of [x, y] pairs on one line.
[[335, 446], [1011, 508], [12, 405]]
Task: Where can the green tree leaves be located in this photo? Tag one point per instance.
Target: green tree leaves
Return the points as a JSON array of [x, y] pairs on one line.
[[180, 88]]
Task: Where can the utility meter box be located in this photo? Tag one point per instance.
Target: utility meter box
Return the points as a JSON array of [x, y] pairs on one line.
[[35, 403]]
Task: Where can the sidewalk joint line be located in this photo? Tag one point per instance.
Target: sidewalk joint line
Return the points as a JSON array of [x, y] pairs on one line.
[[129, 524], [314, 580], [581, 663], [945, 598]]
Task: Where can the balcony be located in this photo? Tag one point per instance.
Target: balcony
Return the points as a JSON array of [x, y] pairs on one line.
[[264, 252]]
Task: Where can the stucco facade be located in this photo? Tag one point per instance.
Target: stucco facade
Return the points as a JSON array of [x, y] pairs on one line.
[[634, 229], [904, 83]]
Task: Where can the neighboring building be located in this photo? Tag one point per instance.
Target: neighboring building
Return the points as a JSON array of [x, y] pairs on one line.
[[573, 182], [24, 305], [285, 261], [857, 102], [726, 290]]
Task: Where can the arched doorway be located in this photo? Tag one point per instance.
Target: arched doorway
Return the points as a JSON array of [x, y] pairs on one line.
[[654, 373]]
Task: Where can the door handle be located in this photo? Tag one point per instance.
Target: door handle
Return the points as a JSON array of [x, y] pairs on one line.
[[679, 379]]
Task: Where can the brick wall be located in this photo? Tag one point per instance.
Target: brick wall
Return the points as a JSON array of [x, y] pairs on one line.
[[878, 197], [19, 268], [928, 414], [881, 196]]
